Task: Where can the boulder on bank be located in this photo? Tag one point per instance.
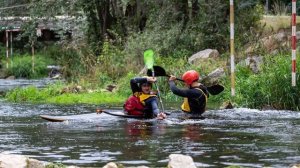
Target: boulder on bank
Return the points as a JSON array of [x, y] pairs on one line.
[[253, 62], [214, 77], [227, 105], [72, 89], [272, 44], [11, 78], [205, 54]]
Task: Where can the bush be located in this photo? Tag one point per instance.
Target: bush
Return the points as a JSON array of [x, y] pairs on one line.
[[33, 94], [272, 86], [21, 66]]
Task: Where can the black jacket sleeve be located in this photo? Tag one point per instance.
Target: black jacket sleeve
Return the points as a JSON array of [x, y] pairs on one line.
[[190, 93], [135, 84]]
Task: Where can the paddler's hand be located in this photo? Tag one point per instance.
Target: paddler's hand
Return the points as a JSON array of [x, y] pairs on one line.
[[161, 116], [151, 79], [153, 92], [172, 78], [98, 111]]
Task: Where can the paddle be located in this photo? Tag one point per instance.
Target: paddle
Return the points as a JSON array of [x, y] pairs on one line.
[[159, 71], [149, 61], [100, 111]]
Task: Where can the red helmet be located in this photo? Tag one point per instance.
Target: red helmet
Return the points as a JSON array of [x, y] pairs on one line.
[[190, 76]]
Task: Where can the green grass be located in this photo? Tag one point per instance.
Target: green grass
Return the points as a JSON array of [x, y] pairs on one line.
[[21, 66], [272, 86], [52, 94], [274, 23], [88, 98]]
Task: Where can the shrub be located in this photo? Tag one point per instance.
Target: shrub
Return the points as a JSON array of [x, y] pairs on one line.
[[272, 86], [21, 66]]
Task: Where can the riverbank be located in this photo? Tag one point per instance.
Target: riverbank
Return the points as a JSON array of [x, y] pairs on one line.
[[53, 94], [262, 83]]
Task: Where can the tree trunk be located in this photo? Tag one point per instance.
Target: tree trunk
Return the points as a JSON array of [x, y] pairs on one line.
[[267, 7], [103, 15], [117, 13], [195, 8], [182, 8]]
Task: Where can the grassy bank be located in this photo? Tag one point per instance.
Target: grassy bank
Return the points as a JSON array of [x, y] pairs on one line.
[[270, 87], [274, 23], [53, 95]]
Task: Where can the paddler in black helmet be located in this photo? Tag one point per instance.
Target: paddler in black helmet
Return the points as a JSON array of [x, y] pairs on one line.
[[144, 101]]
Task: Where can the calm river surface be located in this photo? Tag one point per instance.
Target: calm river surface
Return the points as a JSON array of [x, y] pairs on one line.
[[244, 137]]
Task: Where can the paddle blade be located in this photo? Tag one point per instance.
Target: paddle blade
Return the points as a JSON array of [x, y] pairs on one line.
[[158, 71], [149, 58], [215, 89]]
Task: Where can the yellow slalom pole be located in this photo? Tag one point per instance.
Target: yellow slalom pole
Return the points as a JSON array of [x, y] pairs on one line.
[[232, 48]]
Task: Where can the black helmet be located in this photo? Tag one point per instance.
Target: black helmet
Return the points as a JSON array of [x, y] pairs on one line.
[[145, 83]]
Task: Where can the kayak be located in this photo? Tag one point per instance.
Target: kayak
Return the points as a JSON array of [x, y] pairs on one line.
[[117, 114], [53, 118], [92, 115]]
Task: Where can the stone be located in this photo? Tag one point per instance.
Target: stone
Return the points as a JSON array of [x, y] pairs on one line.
[[205, 54], [226, 105], [110, 165], [181, 161], [254, 63], [296, 166], [12, 161], [214, 76], [33, 163], [110, 87], [11, 78]]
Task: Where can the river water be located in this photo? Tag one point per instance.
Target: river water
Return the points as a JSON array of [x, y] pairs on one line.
[[244, 137]]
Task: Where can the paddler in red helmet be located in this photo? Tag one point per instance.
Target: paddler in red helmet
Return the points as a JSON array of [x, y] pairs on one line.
[[195, 95]]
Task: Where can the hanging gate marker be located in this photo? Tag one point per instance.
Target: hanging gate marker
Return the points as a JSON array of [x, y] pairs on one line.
[[294, 41], [232, 48]]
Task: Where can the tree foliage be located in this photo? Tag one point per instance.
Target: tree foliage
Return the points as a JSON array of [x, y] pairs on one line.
[[172, 27]]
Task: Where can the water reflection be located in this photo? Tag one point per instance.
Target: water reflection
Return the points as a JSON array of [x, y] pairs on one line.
[[143, 129], [193, 133]]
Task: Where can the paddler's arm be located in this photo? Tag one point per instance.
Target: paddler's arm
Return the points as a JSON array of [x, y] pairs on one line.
[[183, 92]]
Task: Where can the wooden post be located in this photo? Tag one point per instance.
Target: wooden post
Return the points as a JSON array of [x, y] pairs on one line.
[[232, 48], [11, 45], [32, 58], [294, 41], [7, 49]]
